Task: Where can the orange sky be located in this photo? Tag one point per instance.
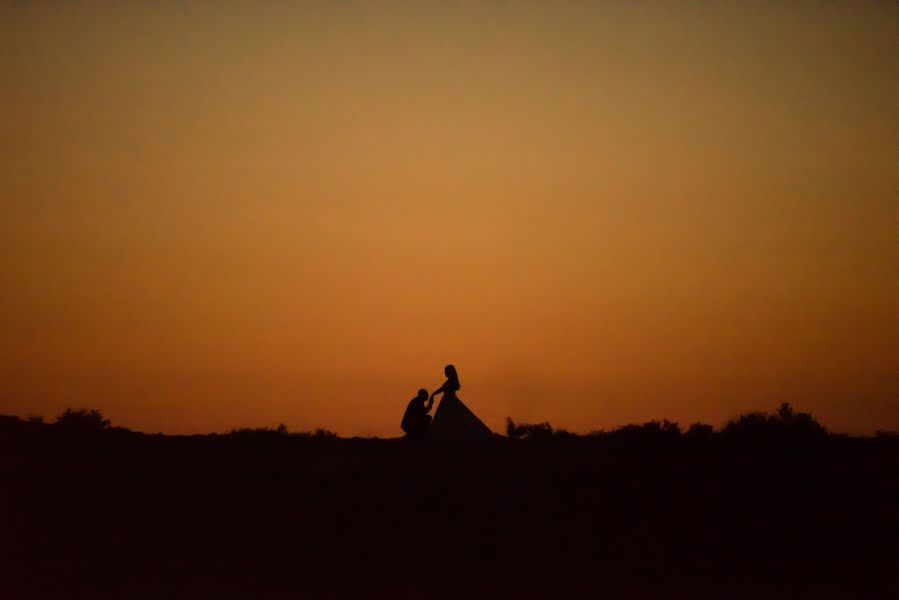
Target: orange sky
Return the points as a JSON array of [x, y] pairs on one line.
[[225, 214]]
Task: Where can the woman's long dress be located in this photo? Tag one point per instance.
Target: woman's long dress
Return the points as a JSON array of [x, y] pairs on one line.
[[454, 420]]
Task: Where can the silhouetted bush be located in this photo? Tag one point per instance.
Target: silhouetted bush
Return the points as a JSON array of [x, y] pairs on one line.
[[783, 422], [278, 433], [663, 428], [748, 423], [35, 419], [651, 431], [259, 432], [82, 419], [318, 434], [531, 431], [10, 423], [536, 431], [700, 431]]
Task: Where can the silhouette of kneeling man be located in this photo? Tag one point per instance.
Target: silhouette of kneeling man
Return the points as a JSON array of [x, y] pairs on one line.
[[416, 421]]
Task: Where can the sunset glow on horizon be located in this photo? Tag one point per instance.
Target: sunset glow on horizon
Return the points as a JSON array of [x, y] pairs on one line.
[[234, 214]]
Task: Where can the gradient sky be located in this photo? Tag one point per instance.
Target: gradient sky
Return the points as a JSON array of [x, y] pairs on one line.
[[222, 214]]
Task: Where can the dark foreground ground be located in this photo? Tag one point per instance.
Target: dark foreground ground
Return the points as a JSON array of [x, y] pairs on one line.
[[117, 514]]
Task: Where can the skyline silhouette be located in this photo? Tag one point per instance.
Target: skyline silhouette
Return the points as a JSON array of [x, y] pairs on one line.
[[772, 506]]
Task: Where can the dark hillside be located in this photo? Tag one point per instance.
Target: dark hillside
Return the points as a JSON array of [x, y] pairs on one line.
[[106, 512]]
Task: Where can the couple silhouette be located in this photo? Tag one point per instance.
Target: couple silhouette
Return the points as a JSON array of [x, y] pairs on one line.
[[452, 419]]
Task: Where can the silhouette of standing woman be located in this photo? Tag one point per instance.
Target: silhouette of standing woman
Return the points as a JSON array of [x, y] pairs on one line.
[[452, 419], [450, 386]]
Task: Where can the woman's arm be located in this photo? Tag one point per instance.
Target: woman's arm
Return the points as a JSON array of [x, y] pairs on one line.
[[438, 391]]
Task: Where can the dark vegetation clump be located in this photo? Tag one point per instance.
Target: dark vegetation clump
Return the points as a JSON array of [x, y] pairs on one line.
[[80, 419], [652, 431], [259, 432], [279, 432], [318, 434], [535, 431], [700, 431], [517, 431], [784, 422]]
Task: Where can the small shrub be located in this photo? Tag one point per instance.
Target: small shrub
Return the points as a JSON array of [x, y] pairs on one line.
[[651, 433], [82, 419], [663, 427], [784, 422], [531, 431], [753, 422], [260, 432], [700, 431], [322, 434]]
